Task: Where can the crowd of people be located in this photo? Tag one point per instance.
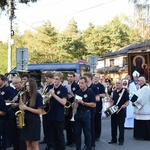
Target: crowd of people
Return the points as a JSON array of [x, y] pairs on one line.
[[74, 105]]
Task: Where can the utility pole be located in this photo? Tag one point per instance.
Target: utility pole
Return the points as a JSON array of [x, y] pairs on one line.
[[11, 15]]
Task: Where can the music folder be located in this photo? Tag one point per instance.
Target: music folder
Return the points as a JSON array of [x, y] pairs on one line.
[[134, 98], [77, 97]]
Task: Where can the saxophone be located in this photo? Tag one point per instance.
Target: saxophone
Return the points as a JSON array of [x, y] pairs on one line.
[[20, 114]]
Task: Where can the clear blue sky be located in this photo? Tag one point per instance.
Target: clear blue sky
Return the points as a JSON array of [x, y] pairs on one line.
[[59, 12]]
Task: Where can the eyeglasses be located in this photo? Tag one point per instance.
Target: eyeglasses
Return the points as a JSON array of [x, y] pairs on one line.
[[56, 79], [15, 83], [118, 83]]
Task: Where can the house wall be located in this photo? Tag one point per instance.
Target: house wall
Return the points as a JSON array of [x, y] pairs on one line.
[[118, 61], [100, 64]]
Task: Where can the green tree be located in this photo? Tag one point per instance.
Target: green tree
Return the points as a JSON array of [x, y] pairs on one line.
[[4, 3], [3, 58], [111, 36], [90, 39], [72, 41], [140, 21]]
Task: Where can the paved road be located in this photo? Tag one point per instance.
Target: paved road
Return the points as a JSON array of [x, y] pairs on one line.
[[129, 144]]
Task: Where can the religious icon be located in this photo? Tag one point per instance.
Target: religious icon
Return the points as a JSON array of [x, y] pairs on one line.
[[125, 83], [139, 62]]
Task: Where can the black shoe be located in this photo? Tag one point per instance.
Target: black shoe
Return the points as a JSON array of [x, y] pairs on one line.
[[73, 145], [111, 142], [83, 148], [93, 148], [47, 148], [120, 143], [42, 142], [68, 144]]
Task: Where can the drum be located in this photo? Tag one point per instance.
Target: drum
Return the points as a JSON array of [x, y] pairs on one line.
[[111, 110]]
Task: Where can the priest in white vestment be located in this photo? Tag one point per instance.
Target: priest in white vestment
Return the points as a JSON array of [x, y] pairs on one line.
[[133, 87]]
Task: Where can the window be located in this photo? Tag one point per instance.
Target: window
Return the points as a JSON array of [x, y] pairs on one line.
[[111, 62], [125, 61]]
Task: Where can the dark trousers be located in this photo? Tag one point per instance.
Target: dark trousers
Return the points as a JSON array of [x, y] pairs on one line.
[[46, 130], [45, 126], [93, 128], [83, 121], [98, 124], [117, 120], [57, 134], [69, 126], [17, 143], [3, 137]]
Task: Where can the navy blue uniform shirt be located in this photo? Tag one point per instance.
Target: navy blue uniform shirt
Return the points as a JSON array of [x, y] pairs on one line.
[[101, 90], [124, 99], [2, 106], [87, 96], [96, 92], [56, 112], [74, 87], [7, 92], [38, 102], [13, 110]]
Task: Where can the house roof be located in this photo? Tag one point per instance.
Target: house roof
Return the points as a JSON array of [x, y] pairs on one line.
[[126, 49], [112, 69]]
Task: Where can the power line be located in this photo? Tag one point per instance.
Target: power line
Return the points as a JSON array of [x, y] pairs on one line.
[[33, 27], [91, 7], [80, 10], [65, 15], [47, 4]]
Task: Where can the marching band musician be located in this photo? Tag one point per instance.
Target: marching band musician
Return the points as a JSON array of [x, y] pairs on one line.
[[98, 115], [24, 77], [7, 94], [32, 106], [15, 132], [56, 115], [2, 124], [118, 119], [83, 114], [92, 86], [68, 123], [49, 77]]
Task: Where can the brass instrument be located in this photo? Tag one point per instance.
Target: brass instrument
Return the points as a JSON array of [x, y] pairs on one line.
[[67, 106], [74, 110], [46, 101], [20, 114]]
